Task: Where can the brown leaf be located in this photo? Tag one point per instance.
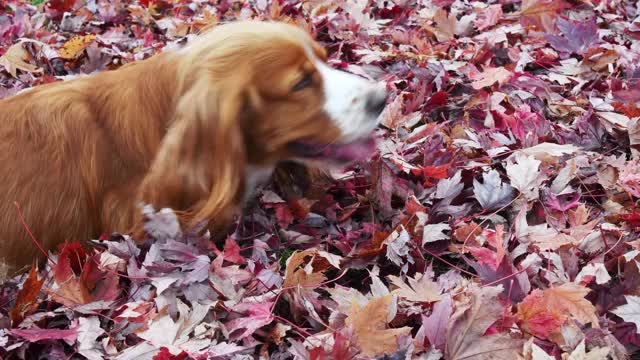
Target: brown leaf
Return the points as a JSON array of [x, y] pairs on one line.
[[369, 324], [419, 289], [465, 333], [446, 28], [306, 268], [15, 59], [580, 353], [26, 300]]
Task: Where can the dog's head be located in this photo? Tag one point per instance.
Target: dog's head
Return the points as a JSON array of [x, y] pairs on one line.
[[253, 94]]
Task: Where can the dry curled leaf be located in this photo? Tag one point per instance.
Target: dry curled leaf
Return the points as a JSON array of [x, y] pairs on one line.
[[420, 289], [369, 324], [466, 337], [16, 58], [27, 299]]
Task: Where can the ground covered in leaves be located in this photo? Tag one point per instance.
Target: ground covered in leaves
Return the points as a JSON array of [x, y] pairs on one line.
[[497, 220]]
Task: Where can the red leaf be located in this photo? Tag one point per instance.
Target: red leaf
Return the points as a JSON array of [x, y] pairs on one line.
[[61, 5], [297, 209], [284, 215], [26, 301], [74, 253], [232, 252], [436, 100], [165, 354], [484, 256], [412, 205], [92, 285], [632, 219], [631, 110], [433, 172]]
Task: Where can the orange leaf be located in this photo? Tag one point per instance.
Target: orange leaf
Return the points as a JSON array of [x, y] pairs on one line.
[[26, 301], [306, 268], [369, 324], [541, 14], [542, 313], [433, 172], [75, 45]]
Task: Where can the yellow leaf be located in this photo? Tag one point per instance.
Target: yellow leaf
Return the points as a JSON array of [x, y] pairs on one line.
[[15, 59], [369, 324], [75, 45]]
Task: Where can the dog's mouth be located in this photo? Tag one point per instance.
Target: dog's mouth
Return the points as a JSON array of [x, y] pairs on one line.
[[360, 149]]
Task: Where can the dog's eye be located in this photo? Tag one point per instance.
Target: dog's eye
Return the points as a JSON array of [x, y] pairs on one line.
[[304, 83]]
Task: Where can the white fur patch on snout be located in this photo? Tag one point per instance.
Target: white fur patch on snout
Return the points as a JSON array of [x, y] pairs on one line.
[[346, 97]]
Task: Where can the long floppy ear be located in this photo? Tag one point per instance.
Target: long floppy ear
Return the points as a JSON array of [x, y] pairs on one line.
[[200, 166]]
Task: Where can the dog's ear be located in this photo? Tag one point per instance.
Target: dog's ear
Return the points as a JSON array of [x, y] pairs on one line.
[[200, 166]]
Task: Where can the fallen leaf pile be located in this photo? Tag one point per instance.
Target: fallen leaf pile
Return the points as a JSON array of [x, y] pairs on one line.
[[497, 219]]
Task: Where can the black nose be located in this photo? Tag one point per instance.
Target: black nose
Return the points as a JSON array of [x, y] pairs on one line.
[[376, 101]]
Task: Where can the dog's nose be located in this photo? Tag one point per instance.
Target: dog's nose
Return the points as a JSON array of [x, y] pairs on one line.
[[376, 101]]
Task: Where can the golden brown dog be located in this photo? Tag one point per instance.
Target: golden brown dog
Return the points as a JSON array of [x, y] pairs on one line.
[[194, 129]]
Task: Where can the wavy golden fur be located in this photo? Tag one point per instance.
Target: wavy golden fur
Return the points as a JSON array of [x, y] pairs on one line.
[[176, 130]]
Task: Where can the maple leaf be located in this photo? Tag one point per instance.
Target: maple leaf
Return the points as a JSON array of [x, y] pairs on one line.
[[26, 301], [577, 37], [88, 332], [434, 232], [420, 289], [308, 274], [92, 285], [232, 252], [541, 14], [489, 16], [61, 5], [524, 174], [579, 353], [449, 188], [544, 151], [446, 25], [36, 334], [630, 312], [490, 76], [164, 331], [397, 247], [465, 336], [629, 179], [593, 271], [485, 256], [543, 311], [492, 193], [369, 324], [255, 316], [76, 45], [435, 172], [434, 326], [15, 58]]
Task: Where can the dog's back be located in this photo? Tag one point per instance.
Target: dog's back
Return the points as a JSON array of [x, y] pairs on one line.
[[67, 152]]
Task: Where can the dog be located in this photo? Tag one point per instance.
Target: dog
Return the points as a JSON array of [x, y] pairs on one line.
[[194, 129]]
